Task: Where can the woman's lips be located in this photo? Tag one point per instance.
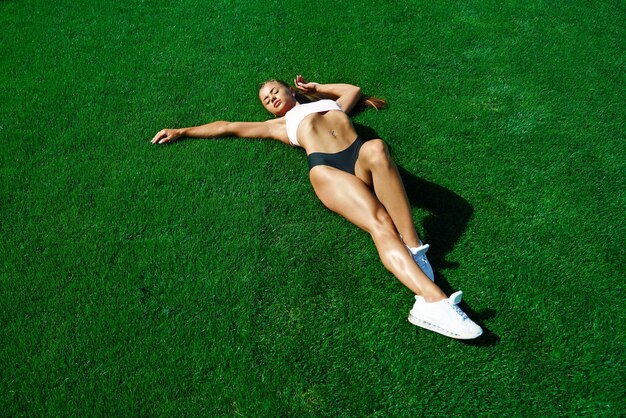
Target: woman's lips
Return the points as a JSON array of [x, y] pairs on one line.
[[276, 103]]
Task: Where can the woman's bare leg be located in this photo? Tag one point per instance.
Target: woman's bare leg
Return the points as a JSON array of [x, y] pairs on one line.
[[350, 197], [377, 169]]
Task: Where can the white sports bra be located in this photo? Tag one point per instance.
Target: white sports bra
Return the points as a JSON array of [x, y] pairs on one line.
[[299, 112]]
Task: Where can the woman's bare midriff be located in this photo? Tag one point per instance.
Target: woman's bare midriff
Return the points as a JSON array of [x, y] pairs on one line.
[[328, 132]]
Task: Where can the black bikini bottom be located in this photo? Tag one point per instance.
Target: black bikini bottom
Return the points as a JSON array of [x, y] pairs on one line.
[[343, 160]]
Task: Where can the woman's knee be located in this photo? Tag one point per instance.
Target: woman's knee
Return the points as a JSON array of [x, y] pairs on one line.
[[381, 224], [376, 153]]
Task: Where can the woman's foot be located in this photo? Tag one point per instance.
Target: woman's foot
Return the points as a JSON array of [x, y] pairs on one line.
[[444, 317], [419, 255]]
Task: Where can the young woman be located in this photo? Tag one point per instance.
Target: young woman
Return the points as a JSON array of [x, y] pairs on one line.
[[354, 178]]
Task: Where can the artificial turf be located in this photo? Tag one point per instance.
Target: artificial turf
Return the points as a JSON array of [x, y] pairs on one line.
[[205, 278]]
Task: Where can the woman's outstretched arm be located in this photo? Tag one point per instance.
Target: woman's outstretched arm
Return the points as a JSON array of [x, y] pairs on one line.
[[267, 129]]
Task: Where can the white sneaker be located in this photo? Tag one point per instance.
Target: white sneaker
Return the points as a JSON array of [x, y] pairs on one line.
[[444, 317], [419, 255]]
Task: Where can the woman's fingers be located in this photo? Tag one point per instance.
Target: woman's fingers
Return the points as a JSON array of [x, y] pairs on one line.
[[159, 137], [163, 136], [299, 80], [303, 85], [306, 86]]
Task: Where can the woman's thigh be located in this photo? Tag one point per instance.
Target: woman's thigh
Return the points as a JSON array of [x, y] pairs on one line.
[[348, 196]]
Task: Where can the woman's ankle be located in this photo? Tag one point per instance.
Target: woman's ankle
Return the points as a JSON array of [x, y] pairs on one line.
[[411, 241], [432, 293]]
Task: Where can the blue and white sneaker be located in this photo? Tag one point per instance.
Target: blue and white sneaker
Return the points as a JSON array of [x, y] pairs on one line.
[[444, 317], [419, 255]]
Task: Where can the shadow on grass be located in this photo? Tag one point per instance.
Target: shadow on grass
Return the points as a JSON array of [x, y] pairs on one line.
[[448, 217]]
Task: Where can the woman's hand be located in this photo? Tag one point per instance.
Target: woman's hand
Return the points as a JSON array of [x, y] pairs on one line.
[[166, 135], [304, 86]]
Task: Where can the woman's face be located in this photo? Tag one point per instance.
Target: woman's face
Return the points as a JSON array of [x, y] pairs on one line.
[[277, 98]]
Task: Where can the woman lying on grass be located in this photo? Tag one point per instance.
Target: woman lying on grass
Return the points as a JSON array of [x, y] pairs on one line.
[[354, 178]]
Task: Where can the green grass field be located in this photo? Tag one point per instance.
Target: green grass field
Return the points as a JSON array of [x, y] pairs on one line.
[[204, 278]]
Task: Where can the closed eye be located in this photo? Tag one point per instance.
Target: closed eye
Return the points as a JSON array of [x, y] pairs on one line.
[[266, 100]]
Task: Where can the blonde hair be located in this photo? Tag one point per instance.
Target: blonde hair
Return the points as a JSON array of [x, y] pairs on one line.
[[365, 101]]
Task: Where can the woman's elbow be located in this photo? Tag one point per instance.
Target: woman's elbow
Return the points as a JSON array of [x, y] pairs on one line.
[[225, 128]]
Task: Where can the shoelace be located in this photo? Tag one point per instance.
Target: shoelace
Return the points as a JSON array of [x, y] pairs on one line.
[[420, 258], [459, 311]]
